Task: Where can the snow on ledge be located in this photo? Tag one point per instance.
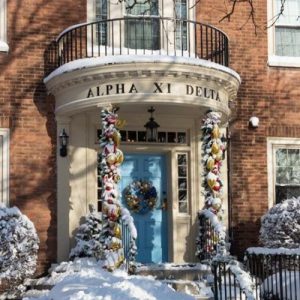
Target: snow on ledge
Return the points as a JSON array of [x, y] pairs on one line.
[[174, 266], [124, 59], [273, 251], [3, 46]]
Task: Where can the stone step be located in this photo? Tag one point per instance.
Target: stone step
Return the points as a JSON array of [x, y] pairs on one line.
[[37, 284], [189, 278], [191, 272]]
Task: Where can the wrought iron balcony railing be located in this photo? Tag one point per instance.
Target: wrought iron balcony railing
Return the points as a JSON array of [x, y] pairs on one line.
[[147, 35]]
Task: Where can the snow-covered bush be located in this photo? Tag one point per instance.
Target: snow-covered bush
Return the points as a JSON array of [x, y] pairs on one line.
[[87, 238], [19, 246], [280, 227]]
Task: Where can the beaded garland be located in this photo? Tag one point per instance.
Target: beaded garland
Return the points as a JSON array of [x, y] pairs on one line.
[[141, 196]]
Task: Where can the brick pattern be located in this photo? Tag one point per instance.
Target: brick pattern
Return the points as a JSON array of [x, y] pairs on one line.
[[26, 109], [270, 93]]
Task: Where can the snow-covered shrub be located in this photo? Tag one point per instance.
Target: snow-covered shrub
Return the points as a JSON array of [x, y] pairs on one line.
[[19, 246], [280, 226], [87, 238]]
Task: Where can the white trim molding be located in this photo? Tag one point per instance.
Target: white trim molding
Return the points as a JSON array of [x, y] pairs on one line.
[[274, 143], [275, 60], [4, 166], [3, 27]]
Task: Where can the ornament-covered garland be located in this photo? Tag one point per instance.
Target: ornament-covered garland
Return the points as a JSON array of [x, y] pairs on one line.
[[111, 158], [212, 152]]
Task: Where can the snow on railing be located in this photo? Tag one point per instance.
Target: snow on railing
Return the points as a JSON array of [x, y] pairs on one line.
[[231, 281], [275, 271]]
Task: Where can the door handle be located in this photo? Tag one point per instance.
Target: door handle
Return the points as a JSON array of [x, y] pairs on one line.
[[164, 205]]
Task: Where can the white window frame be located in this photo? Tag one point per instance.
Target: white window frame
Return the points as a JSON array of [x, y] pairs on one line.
[[274, 60], [188, 179], [4, 166], [3, 26], [272, 145]]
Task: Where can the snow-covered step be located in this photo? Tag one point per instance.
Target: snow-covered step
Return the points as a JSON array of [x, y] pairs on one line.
[[186, 271], [198, 289], [37, 284], [188, 278]]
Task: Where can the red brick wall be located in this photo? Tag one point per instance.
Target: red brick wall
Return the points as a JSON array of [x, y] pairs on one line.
[[29, 113], [270, 93]]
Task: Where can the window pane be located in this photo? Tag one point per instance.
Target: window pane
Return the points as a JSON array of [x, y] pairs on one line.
[[182, 168], [182, 196], [123, 135], [287, 41], [290, 14], [281, 157], [181, 26], [293, 156], [182, 184], [183, 207], [162, 137], [142, 136], [286, 192], [181, 137], [181, 159], [101, 28], [182, 171], [132, 136], [284, 175], [142, 34], [295, 176], [142, 7]]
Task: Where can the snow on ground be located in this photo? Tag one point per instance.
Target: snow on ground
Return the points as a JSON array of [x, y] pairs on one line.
[[85, 279]]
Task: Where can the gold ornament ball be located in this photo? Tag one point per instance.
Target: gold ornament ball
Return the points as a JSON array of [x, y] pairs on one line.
[[215, 148], [111, 158], [216, 132], [116, 138], [210, 163], [211, 182], [117, 231], [115, 246], [116, 178], [119, 156], [219, 155], [216, 206], [215, 239]]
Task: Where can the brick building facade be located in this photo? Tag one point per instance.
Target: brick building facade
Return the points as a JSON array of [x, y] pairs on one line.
[[270, 93]]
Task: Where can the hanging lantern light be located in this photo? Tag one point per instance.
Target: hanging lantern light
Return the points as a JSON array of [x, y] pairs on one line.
[[63, 142], [151, 127]]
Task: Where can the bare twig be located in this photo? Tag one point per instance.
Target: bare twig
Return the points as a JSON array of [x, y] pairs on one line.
[[277, 16]]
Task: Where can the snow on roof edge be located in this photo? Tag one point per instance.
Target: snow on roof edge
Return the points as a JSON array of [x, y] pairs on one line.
[[123, 59]]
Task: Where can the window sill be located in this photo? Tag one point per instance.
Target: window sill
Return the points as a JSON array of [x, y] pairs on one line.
[[284, 61], [4, 46]]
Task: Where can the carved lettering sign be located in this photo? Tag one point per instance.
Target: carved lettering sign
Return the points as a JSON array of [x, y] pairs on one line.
[[154, 88]]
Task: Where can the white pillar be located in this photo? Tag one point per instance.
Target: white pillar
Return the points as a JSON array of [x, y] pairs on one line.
[[63, 193]]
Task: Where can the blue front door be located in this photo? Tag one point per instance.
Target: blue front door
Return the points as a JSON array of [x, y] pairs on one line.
[[152, 241]]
